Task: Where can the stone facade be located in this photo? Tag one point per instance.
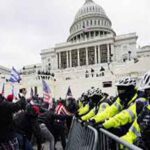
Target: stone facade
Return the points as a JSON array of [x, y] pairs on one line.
[[92, 41], [144, 51]]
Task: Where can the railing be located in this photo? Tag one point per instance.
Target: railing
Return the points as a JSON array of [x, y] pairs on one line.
[[83, 137], [109, 141]]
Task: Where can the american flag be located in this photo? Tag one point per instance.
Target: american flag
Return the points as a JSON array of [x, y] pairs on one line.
[[86, 29], [47, 93]]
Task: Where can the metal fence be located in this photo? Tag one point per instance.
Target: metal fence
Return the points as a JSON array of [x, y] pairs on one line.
[[109, 141], [88, 138], [82, 137]]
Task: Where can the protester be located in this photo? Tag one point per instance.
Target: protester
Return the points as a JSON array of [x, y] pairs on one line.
[[22, 92], [48, 125], [26, 125], [60, 125], [8, 139], [10, 98]]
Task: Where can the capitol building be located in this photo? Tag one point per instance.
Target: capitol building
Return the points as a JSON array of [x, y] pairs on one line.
[[93, 55]]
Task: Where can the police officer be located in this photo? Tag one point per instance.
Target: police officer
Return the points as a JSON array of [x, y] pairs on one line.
[[127, 94], [139, 132], [101, 103], [88, 103]]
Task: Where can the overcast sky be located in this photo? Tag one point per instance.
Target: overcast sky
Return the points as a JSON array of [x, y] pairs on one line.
[[27, 26]]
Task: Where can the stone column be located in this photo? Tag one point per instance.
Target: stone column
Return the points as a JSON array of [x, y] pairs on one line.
[[99, 33], [67, 59], [59, 60], [87, 59], [78, 56], [57, 57], [95, 57], [113, 52], [99, 57], [89, 35], [70, 59], [108, 55]]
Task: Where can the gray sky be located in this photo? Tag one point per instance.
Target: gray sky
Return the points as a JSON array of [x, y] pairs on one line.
[[27, 26]]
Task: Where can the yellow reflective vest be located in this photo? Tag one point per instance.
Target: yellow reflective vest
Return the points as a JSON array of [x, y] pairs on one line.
[[134, 132], [124, 117], [80, 104], [84, 110], [111, 111], [92, 113]]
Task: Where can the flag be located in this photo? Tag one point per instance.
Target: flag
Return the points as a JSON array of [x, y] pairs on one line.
[[47, 93], [69, 93], [3, 89], [14, 76], [86, 29]]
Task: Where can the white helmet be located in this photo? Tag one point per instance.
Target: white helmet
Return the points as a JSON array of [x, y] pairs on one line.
[[145, 82], [128, 81]]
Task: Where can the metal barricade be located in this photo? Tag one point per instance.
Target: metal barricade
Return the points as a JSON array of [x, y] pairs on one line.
[[109, 141], [88, 138], [82, 137]]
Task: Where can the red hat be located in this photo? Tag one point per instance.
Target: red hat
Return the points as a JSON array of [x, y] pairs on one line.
[[36, 109], [10, 97]]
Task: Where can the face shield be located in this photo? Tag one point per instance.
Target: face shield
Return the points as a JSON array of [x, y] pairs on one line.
[[122, 90], [125, 93]]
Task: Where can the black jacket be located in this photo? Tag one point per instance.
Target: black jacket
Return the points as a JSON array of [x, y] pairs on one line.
[[6, 117], [27, 125], [49, 118]]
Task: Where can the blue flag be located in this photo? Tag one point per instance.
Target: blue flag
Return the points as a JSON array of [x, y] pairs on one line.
[[14, 76]]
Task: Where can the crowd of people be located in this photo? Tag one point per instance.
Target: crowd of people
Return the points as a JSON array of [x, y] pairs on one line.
[[28, 123], [126, 115]]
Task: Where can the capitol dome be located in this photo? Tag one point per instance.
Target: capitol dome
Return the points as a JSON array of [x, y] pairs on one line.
[[90, 21]]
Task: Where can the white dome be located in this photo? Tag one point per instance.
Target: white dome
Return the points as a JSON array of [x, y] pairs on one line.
[[92, 18], [90, 8]]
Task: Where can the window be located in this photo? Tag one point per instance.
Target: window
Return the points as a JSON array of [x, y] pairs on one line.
[[83, 25], [92, 34], [103, 51], [82, 53], [107, 84], [91, 55], [96, 33], [63, 60], [74, 58]]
